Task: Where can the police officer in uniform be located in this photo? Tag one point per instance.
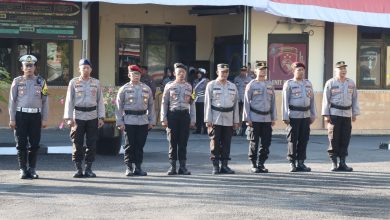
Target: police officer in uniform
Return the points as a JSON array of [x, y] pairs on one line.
[[241, 81], [28, 110], [84, 113], [339, 106], [221, 116], [260, 115], [135, 114], [298, 112], [177, 116], [198, 96]]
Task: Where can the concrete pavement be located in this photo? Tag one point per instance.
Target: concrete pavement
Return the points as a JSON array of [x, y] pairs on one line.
[[321, 194]]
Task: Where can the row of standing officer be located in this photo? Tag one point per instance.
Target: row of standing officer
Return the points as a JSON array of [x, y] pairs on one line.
[[84, 112]]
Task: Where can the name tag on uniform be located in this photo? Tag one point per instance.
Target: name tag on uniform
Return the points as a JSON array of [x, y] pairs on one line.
[[257, 92], [232, 90]]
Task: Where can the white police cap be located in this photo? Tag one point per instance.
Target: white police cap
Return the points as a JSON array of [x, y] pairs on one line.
[[28, 59]]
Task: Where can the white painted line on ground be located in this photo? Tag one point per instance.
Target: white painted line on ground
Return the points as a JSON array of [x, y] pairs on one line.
[[7, 150], [59, 150]]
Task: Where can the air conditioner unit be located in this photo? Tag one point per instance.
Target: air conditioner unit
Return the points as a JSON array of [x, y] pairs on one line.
[[215, 10]]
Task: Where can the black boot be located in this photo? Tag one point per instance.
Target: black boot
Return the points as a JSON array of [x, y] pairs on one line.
[[88, 170], [225, 169], [334, 164], [302, 167], [183, 169], [32, 162], [79, 170], [138, 170], [129, 170], [215, 167], [254, 168], [293, 167], [22, 160], [343, 166], [172, 169], [261, 167]]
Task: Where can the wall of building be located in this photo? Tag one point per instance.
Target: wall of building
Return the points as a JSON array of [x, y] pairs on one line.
[[263, 24]]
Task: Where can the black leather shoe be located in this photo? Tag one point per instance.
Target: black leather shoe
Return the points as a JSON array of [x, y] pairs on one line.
[[302, 167], [262, 168], [32, 173], [24, 174], [293, 167]]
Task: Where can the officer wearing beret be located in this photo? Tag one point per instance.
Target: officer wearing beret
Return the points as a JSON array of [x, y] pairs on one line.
[[221, 116], [177, 116], [84, 113], [135, 114], [298, 112], [260, 115], [198, 96], [28, 110], [241, 81], [339, 106]]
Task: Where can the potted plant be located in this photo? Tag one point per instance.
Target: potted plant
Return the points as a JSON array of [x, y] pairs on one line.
[[109, 137]]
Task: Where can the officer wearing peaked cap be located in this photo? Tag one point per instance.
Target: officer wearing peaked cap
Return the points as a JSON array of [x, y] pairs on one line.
[[135, 114], [260, 115], [339, 106], [28, 110], [298, 112], [84, 113], [178, 115], [221, 116], [241, 81]]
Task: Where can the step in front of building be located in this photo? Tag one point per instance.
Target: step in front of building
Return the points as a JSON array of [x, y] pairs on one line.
[[10, 149]]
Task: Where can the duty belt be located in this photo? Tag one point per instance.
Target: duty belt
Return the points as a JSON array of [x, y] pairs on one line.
[[132, 112], [260, 112], [85, 109], [28, 110], [340, 107], [221, 109], [299, 108]]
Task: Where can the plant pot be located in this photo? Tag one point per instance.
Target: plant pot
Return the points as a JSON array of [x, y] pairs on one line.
[[109, 139]]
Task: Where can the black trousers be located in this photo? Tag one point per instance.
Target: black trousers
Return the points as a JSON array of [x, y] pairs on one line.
[[297, 137], [89, 130], [28, 130], [178, 132], [136, 139], [220, 140], [243, 123], [263, 131], [200, 117], [339, 134]]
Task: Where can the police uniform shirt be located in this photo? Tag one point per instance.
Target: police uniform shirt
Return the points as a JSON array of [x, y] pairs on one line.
[[199, 89], [135, 97], [177, 96], [26, 92], [222, 96], [341, 94], [259, 95], [241, 82], [298, 93], [84, 93]]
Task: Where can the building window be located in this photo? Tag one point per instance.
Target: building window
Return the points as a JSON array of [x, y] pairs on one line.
[[155, 47], [54, 58], [373, 58]]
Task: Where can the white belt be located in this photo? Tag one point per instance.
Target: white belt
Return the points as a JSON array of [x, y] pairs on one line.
[[28, 110]]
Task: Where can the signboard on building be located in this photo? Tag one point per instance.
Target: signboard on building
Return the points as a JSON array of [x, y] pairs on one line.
[[283, 50], [40, 19]]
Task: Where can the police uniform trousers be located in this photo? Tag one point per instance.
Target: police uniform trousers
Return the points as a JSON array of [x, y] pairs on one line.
[[199, 117], [178, 133], [89, 129], [136, 139], [243, 123], [339, 134], [297, 138], [263, 131], [220, 140], [27, 137]]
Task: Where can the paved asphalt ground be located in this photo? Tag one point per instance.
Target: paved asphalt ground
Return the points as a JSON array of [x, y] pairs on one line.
[[321, 194]]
